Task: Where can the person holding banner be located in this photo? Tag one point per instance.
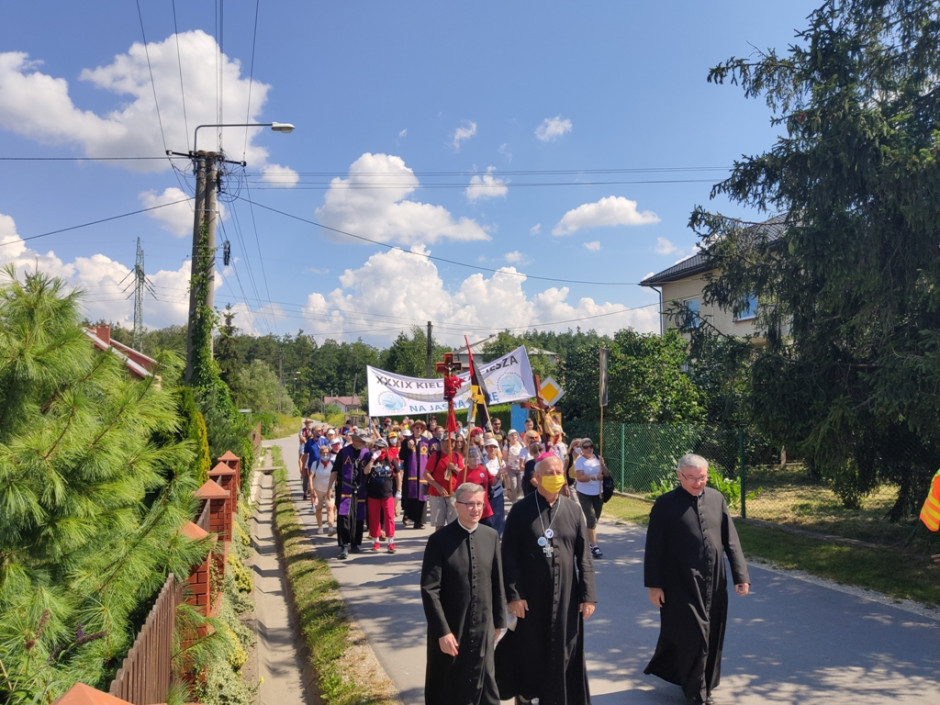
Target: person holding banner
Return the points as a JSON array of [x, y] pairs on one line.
[[442, 472], [413, 457]]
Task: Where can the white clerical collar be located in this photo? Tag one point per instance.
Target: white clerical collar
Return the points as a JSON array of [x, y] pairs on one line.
[[467, 529]]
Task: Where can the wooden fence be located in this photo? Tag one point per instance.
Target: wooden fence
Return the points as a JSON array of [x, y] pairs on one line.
[[145, 676]]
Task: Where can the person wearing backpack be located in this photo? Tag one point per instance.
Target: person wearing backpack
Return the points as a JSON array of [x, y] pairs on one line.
[[589, 470]]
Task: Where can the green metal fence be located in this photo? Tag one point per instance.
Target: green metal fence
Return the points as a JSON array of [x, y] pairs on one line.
[[642, 457]]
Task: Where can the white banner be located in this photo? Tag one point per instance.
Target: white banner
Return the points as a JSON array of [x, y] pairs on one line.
[[508, 378]]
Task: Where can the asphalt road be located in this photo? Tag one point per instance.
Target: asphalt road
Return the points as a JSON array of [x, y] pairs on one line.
[[790, 641]]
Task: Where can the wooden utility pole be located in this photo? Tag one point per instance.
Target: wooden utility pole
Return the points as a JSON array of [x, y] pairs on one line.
[[202, 274]]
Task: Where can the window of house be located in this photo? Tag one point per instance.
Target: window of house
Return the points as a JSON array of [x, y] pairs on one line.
[[750, 309], [692, 319]]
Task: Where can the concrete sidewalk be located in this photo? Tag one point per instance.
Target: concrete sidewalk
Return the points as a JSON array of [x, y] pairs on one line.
[[791, 641], [281, 670]]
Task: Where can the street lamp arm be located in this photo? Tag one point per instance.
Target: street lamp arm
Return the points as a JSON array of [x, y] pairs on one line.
[[284, 127]]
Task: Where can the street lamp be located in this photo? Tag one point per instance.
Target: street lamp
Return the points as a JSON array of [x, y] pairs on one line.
[[201, 284], [284, 127]]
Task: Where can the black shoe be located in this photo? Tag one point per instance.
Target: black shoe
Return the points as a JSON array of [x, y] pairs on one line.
[[419, 526], [355, 549]]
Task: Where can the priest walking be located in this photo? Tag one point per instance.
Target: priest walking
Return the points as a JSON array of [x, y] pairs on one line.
[[690, 532], [462, 593], [549, 577]]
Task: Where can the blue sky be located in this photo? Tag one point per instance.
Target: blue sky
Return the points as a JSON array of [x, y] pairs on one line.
[[483, 166]]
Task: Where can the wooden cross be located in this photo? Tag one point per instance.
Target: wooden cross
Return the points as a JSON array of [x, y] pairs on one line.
[[449, 366]]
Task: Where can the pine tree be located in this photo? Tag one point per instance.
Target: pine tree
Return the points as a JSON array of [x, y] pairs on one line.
[[94, 487]]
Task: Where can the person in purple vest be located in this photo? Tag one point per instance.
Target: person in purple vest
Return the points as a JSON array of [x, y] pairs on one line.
[[415, 490], [348, 475]]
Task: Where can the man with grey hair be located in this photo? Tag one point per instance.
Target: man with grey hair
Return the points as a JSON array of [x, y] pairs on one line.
[[462, 593], [549, 577], [690, 532]]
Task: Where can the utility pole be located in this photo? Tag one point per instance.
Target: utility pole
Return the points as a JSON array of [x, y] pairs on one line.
[[430, 353], [428, 363], [202, 275]]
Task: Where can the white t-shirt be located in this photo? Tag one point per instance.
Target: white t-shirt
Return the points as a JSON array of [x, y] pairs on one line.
[[493, 466], [321, 472], [513, 453], [590, 467]]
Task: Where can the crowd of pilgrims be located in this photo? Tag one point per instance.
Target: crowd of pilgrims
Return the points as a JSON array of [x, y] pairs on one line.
[[410, 470]]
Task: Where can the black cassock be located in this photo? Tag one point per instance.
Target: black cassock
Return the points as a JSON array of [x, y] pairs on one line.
[[462, 593], [544, 656], [686, 542]]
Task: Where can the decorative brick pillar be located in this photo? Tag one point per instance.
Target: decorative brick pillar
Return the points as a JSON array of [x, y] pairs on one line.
[[220, 511], [197, 594], [234, 462], [220, 523], [226, 477]]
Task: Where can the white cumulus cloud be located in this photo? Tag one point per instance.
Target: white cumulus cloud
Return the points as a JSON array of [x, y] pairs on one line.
[[39, 106], [105, 282], [372, 202], [493, 302], [466, 130], [278, 175], [609, 211], [593, 245], [486, 186], [173, 208], [552, 128], [664, 247]]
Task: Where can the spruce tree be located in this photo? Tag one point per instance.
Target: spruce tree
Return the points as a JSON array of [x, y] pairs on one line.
[[849, 295]]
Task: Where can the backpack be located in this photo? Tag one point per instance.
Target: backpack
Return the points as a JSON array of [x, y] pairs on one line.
[[607, 488]]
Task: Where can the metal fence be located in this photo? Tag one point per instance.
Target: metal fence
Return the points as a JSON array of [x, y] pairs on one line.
[[642, 457]]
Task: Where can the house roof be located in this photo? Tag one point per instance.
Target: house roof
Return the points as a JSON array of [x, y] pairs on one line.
[[700, 262], [696, 264], [137, 363], [344, 401]]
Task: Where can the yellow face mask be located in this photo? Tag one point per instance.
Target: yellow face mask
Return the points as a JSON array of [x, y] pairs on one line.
[[553, 483]]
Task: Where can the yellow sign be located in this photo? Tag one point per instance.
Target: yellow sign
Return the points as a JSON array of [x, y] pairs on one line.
[[551, 392]]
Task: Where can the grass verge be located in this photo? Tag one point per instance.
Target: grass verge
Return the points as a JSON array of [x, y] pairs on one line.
[[889, 571], [339, 654]]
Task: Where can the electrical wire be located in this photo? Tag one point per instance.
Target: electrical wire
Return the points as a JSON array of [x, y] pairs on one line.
[[504, 272], [179, 64], [94, 222]]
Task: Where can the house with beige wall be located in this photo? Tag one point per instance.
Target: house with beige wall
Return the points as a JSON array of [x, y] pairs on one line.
[[683, 283]]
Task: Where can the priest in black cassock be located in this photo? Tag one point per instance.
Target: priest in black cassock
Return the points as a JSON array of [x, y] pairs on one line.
[[462, 593], [549, 577], [689, 534]]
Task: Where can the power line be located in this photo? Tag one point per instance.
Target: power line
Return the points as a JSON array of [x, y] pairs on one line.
[[94, 222], [421, 255]]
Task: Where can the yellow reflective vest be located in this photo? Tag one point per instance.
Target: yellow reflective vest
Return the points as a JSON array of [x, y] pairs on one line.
[[930, 513]]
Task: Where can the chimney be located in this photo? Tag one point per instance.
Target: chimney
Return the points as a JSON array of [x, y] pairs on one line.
[[103, 331]]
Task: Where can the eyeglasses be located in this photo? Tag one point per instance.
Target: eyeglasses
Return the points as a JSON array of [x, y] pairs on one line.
[[472, 505], [694, 480]]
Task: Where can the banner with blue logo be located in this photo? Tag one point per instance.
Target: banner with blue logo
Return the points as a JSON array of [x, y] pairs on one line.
[[508, 378]]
